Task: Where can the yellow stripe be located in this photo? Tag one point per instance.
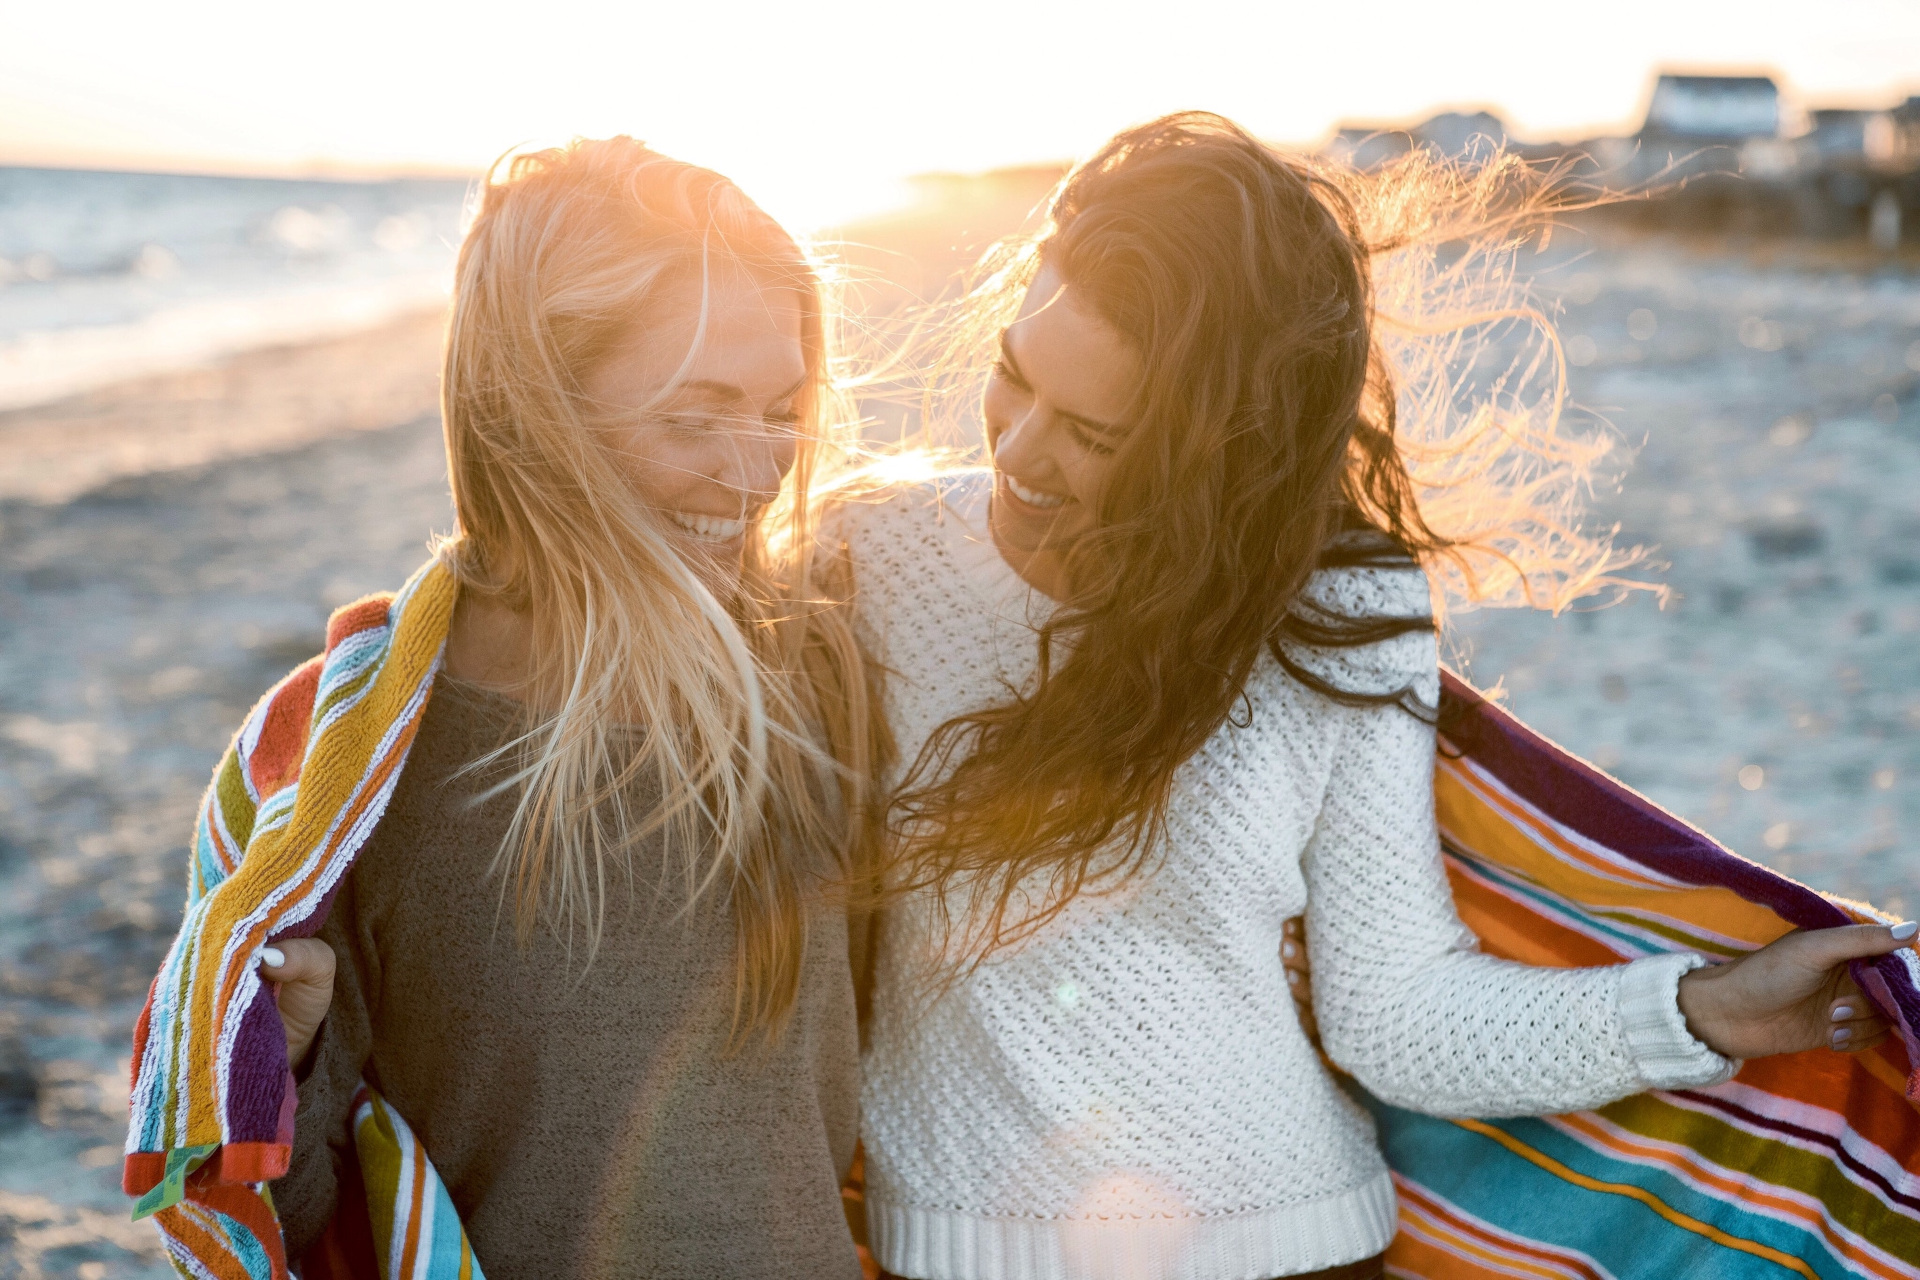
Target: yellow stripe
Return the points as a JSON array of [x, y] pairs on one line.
[[1477, 825], [1641, 1194]]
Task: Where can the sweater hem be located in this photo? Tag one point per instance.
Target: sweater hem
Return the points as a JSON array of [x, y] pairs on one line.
[[942, 1244]]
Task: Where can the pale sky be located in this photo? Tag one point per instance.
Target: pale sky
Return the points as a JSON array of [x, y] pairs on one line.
[[818, 109]]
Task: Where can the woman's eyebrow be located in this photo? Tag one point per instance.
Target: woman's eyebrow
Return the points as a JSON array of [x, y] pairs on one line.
[[1013, 366]]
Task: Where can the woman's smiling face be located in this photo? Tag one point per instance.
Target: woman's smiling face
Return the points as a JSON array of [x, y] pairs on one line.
[[700, 401], [1055, 411]]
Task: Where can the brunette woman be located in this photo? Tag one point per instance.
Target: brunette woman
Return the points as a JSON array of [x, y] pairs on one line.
[[1167, 677]]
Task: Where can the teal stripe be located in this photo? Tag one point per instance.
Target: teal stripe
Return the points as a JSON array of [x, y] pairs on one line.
[[1554, 904], [1625, 1236], [246, 1248], [449, 1241]]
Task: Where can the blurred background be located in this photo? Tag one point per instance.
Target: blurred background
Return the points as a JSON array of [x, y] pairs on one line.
[[226, 235]]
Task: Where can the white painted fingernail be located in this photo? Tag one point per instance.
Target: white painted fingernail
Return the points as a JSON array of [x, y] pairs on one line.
[[1901, 932], [272, 957], [1842, 1012], [1841, 1035], [1288, 950]]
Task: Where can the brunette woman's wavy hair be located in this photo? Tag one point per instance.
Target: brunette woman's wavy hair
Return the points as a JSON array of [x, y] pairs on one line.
[[1282, 370]]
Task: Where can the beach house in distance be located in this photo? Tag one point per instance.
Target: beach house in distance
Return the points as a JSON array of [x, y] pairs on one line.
[[1714, 152]]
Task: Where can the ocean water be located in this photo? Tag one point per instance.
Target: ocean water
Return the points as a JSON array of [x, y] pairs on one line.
[[108, 275]]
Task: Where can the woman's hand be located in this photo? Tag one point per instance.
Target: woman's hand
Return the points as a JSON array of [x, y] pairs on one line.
[[1791, 995], [301, 970]]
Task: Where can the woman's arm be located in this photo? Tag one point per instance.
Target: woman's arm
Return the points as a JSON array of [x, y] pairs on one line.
[[1409, 1006], [1405, 1000]]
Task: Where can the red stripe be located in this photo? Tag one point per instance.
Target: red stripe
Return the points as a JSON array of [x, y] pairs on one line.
[[361, 615], [275, 759]]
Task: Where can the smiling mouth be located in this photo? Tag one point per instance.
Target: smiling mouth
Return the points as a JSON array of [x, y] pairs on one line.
[[1034, 497], [709, 528]]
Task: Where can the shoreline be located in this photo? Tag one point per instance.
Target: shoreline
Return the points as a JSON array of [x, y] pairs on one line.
[[262, 400]]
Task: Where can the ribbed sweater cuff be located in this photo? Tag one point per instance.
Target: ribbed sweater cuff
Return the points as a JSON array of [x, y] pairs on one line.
[[1665, 1052]]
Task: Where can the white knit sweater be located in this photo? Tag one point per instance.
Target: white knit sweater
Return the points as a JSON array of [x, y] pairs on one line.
[[1130, 1092]]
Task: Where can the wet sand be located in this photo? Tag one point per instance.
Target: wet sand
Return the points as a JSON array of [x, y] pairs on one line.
[[168, 549], [270, 399]]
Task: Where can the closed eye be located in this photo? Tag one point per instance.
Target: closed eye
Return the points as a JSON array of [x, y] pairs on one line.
[[1084, 438], [1008, 374]]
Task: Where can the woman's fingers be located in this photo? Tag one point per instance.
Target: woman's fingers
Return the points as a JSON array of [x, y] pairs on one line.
[[1293, 960], [297, 960], [302, 968], [1825, 948], [1854, 1024], [1849, 1036], [1858, 1042]]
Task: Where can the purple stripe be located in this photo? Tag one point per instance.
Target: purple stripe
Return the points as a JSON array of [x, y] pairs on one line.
[[1838, 1149], [1608, 812], [256, 1085]]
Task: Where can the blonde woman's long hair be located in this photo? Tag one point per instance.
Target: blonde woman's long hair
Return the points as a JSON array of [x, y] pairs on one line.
[[641, 672]]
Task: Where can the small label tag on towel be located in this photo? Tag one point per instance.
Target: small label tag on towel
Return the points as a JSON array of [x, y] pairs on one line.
[[172, 1187]]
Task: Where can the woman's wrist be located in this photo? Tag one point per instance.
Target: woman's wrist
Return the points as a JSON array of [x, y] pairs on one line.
[[1701, 997], [1667, 1049]]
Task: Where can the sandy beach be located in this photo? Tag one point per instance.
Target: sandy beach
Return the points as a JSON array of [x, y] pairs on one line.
[[260, 401], [169, 547]]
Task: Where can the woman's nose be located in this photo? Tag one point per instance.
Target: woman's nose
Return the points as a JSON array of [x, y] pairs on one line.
[[758, 463], [1021, 442]]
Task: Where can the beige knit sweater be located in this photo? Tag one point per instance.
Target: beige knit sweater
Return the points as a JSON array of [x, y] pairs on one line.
[[1130, 1093]]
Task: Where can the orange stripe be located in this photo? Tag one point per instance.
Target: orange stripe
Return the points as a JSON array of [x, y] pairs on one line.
[[1456, 1240], [363, 614], [413, 1215], [1574, 1262], [1659, 1206], [1531, 938], [1476, 791], [1868, 1088], [191, 1225], [1504, 832]]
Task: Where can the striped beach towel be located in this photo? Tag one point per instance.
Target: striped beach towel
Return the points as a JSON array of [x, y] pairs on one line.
[[291, 804], [1802, 1165]]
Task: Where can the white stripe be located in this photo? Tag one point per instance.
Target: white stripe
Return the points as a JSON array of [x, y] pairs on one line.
[[402, 1197]]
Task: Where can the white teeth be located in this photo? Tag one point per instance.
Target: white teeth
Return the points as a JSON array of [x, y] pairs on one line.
[[1033, 497], [709, 528]]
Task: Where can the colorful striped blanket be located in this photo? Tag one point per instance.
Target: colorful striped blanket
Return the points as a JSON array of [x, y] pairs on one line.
[[291, 804], [1802, 1165]]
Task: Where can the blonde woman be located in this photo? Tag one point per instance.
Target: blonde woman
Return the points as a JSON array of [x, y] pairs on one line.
[[592, 952], [1166, 678]]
